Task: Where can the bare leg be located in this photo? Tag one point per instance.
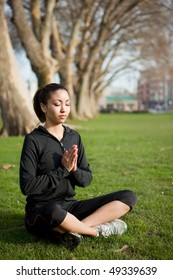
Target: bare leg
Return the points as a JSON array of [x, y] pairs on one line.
[[72, 224], [108, 212]]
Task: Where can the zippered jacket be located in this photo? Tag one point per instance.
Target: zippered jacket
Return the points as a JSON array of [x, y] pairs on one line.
[[42, 176]]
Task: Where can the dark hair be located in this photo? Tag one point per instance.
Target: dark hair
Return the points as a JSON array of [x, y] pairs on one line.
[[42, 95]]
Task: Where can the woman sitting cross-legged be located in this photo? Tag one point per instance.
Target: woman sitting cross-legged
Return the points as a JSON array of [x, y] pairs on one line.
[[52, 163]]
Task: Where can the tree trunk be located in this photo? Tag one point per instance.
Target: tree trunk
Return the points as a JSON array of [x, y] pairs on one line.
[[66, 79], [84, 102], [17, 116], [67, 71], [43, 64]]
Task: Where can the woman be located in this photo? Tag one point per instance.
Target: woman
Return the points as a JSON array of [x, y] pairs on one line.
[[52, 163]]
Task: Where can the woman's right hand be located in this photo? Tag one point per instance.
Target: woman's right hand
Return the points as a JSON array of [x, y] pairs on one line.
[[69, 159]]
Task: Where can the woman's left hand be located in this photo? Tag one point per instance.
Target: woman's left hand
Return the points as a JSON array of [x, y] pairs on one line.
[[69, 159]]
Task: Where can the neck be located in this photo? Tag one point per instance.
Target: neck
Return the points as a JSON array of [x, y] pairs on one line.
[[57, 131]]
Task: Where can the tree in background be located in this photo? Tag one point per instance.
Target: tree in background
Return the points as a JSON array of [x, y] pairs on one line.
[[16, 112], [82, 41]]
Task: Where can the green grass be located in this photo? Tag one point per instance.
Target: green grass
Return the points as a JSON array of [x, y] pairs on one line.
[[125, 151]]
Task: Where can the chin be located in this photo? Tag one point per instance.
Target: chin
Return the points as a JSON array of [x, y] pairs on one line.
[[61, 121]]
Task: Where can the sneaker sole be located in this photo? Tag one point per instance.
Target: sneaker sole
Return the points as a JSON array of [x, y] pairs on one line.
[[124, 229]]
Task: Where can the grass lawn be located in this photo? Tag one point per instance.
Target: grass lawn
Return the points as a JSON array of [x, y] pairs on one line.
[[125, 151]]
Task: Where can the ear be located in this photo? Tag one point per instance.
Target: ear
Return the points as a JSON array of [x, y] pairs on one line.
[[43, 107]]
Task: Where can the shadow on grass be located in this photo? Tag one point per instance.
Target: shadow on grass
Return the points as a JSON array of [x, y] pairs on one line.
[[13, 228], [13, 231]]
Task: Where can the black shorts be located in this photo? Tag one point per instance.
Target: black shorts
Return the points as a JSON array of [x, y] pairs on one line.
[[49, 216]]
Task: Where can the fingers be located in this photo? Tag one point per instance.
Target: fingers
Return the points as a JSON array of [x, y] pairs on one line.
[[69, 159], [74, 165], [69, 155]]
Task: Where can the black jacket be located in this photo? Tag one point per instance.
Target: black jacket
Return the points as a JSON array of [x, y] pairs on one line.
[[42, 176]]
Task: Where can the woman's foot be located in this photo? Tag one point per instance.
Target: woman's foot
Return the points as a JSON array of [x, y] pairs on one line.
[[75, 238], [115, 227]]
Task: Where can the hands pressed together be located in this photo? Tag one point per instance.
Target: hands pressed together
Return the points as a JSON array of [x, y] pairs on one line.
[[69, 159]]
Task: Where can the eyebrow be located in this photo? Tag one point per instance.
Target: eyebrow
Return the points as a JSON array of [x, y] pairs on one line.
[[61, 100]]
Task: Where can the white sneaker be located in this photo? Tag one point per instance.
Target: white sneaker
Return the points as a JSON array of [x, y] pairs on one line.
[[115, 227]]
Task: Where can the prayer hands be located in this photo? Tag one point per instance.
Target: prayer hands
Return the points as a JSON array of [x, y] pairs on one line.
[[69, 159]]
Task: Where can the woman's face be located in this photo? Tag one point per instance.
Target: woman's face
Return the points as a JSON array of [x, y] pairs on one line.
[[57, 108]]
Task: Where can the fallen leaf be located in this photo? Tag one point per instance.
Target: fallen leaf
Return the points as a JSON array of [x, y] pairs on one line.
[[7, 166], [121, 249]]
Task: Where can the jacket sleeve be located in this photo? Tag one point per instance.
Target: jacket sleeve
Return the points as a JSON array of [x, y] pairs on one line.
[[30, 181], [82, 176]]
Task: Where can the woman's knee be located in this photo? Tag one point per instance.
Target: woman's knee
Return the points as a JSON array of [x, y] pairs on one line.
[[131, 198], [128, 197]]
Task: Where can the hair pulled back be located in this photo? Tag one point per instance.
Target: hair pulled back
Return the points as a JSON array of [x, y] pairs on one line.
[[42, 95]]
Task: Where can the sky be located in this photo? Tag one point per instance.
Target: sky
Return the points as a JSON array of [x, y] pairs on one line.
[[127, 81]]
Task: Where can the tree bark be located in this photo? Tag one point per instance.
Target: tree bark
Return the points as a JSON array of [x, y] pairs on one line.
[[15, 104]]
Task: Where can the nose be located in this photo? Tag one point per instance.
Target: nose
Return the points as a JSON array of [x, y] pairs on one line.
[[62, 107]]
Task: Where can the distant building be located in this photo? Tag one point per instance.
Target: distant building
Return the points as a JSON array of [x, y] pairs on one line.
[[118, 101], [155, 90]]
